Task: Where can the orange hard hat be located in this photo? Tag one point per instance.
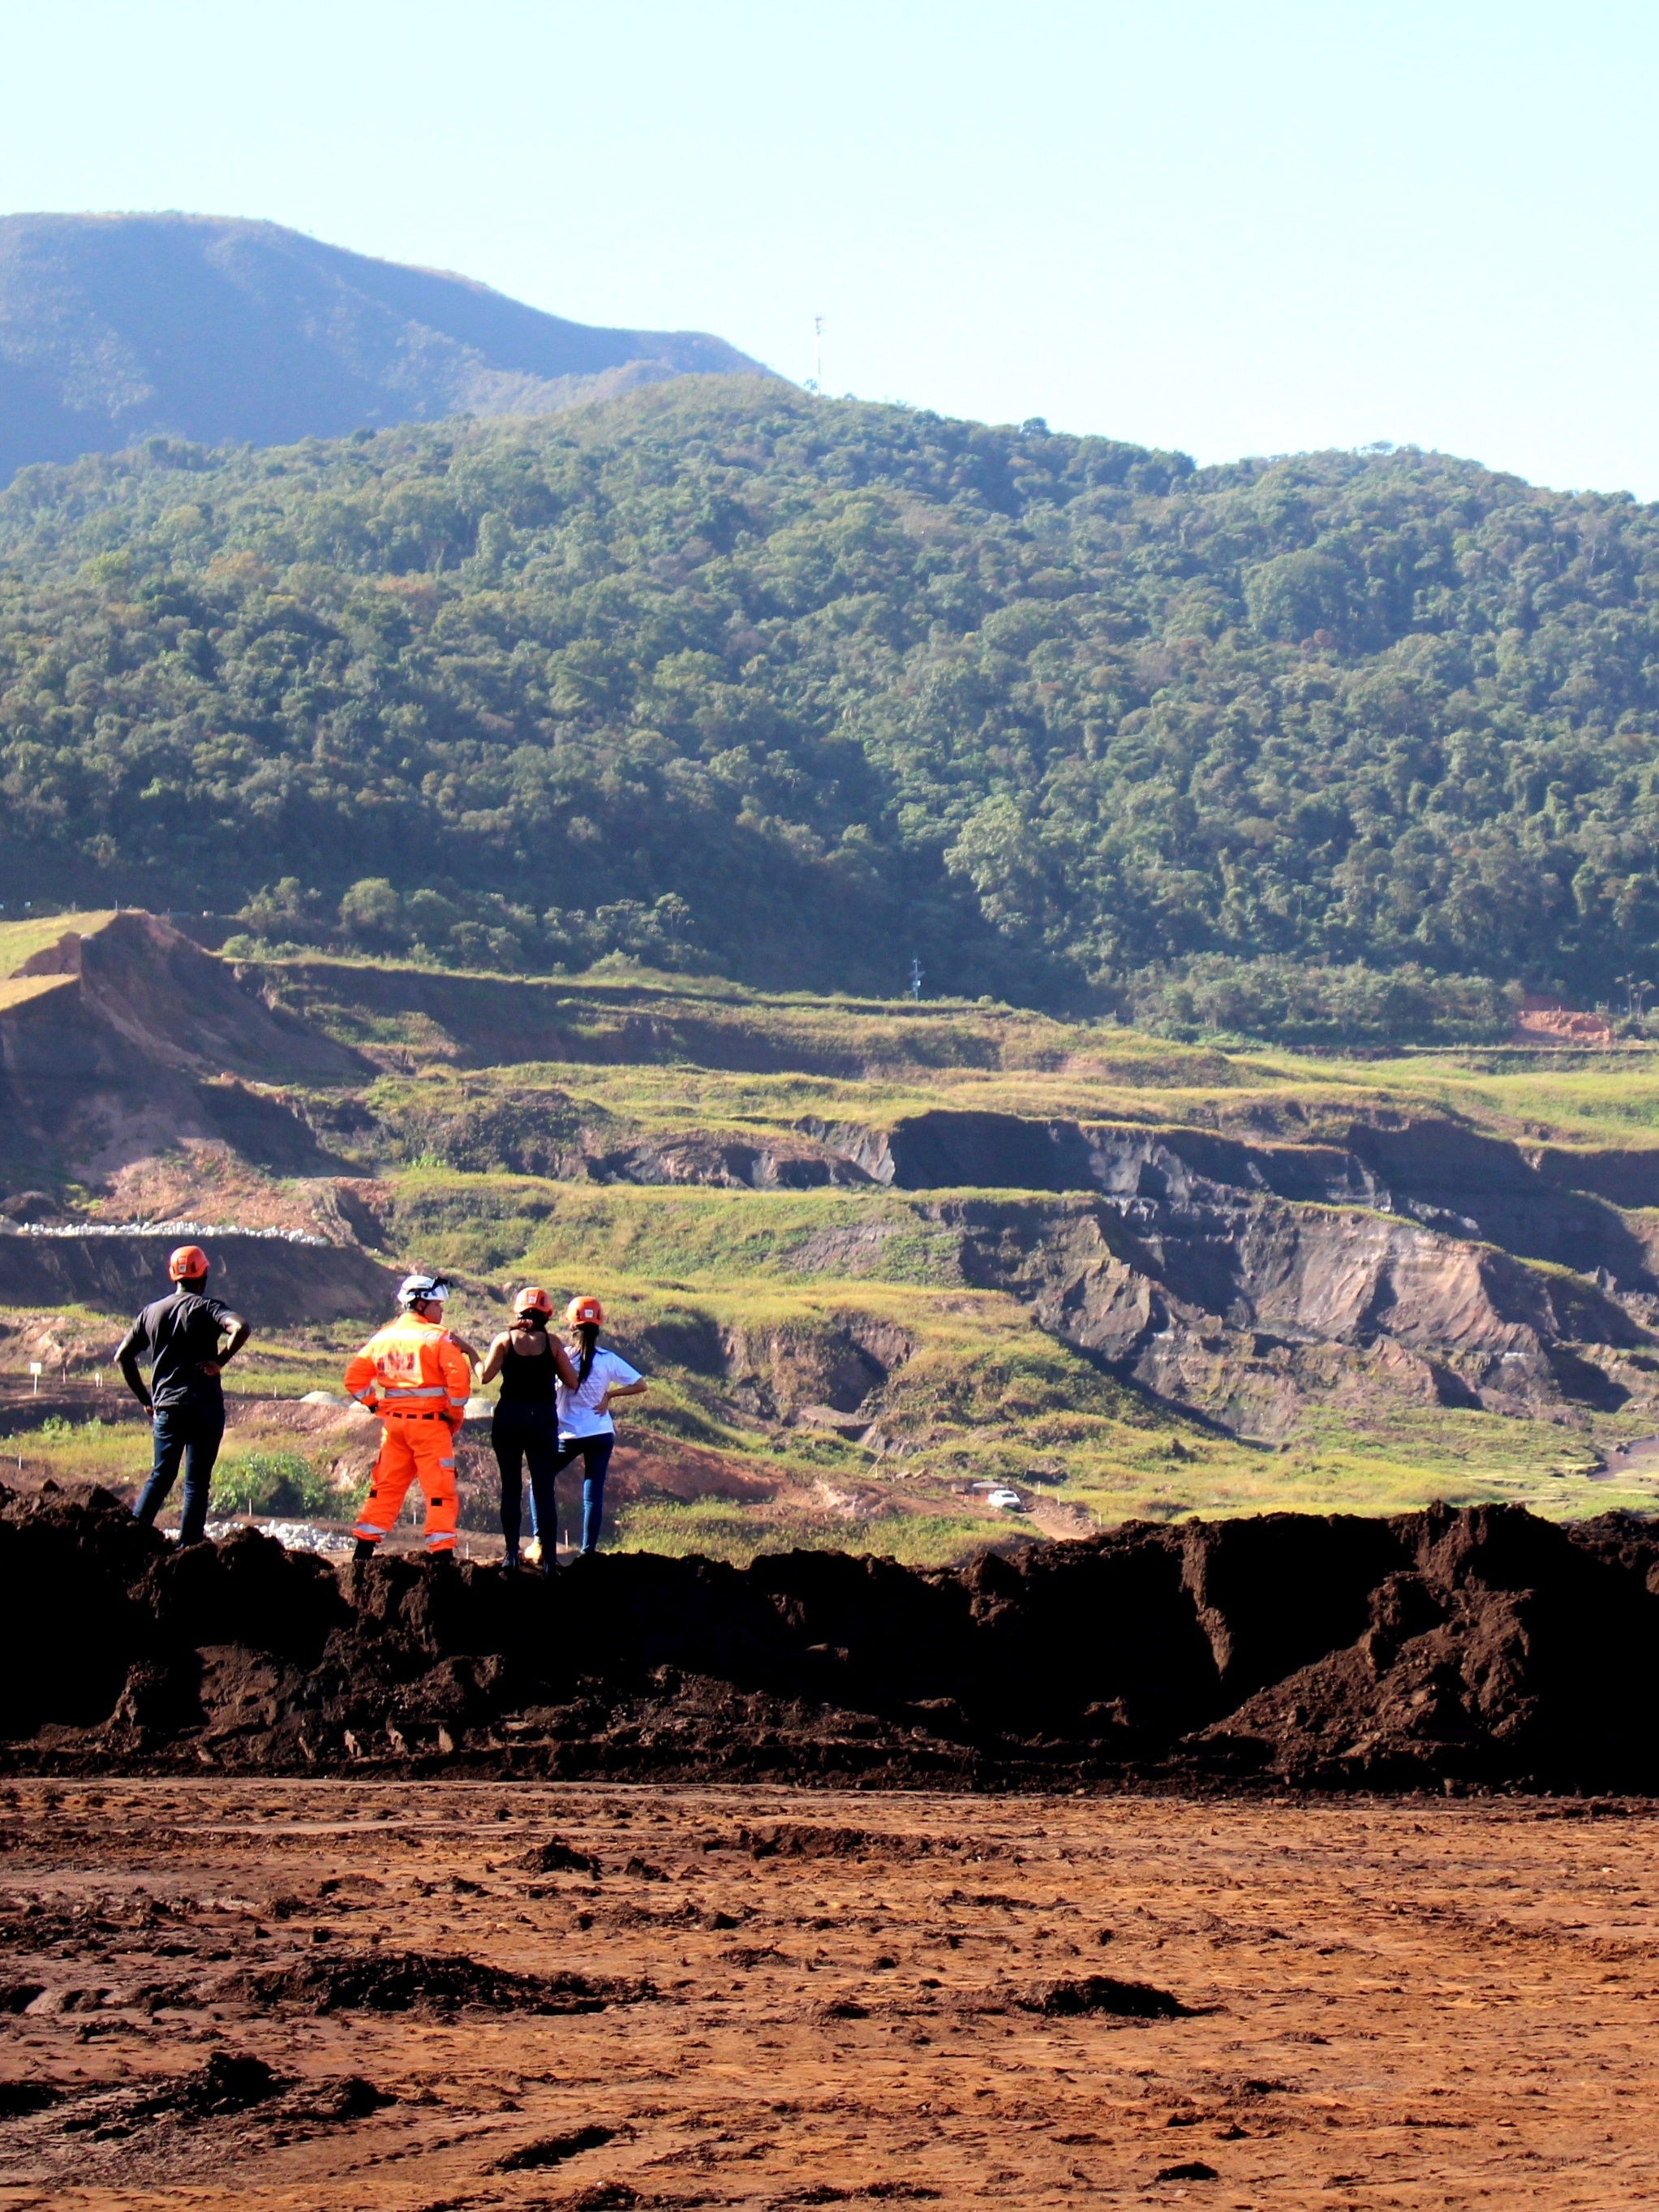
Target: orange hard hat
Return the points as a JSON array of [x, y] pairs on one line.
[[532, 1301], [583, 1311], [186, 1263]]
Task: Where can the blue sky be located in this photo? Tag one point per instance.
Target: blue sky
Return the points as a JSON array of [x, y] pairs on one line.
[[1234, 228]]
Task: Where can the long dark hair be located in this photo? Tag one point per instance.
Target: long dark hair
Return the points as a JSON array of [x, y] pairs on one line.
[[589, 1332]]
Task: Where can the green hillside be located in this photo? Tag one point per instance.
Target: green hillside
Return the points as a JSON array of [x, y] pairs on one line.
[[726, 678]]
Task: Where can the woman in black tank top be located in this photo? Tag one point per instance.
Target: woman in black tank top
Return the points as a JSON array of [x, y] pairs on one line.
[[525, 1428], [528, 1378]]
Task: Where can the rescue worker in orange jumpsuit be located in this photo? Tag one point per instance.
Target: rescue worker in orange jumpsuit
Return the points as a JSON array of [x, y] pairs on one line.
[[414, 1376]]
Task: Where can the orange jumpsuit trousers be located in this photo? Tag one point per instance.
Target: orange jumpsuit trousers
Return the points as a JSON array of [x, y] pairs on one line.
[[412, 1450]]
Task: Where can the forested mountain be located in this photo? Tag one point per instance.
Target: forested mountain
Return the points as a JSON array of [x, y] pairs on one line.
[[724, 675], [115, 327]]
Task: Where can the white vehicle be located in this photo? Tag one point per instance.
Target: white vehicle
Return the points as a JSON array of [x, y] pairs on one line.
[[1005, 1501]]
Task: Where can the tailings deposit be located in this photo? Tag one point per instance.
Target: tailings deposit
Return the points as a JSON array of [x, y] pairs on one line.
[[1448, 1649]]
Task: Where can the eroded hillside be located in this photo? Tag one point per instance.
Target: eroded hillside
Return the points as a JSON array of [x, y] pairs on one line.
[[879, 1257]]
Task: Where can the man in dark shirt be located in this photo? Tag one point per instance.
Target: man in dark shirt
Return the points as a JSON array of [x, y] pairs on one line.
[[187, 1338]]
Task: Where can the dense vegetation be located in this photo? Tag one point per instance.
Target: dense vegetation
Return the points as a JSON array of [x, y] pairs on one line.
[[723, 676]]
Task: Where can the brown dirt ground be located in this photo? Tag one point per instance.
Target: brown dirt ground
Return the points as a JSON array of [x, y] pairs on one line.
[[1395, 2002]]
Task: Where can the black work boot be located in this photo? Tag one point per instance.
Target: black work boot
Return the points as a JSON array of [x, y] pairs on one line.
[[364, 1550]]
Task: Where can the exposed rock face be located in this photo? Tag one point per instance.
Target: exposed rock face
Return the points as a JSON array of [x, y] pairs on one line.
[[175, 1003], [1248, 1307], [1544, 1201], [817, 1377], [731, 1163], [1483, 1646], [1246, 1280]]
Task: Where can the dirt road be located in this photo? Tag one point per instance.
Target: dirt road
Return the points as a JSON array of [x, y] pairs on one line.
[[438, 1997]]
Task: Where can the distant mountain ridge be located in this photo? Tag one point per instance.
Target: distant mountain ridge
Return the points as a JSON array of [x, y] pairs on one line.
[[116, 327]]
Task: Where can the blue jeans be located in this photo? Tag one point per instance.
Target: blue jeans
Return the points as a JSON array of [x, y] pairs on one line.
[[191, 1433], [521, 1435], [594, 1453]]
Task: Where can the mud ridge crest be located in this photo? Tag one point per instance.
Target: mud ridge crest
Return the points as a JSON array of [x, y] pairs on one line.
[[1483, 1648]]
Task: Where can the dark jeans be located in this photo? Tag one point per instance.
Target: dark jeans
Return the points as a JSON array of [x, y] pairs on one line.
[[521, 1435], [191, 1433], [594, 1453]]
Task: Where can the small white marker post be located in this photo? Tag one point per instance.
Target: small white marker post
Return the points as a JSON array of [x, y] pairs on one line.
[[35, 1370]]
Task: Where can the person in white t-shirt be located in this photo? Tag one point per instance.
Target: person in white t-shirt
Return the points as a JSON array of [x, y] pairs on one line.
[[586, 1430]]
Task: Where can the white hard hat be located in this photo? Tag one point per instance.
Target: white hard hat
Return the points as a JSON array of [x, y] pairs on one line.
[[421, 1286]]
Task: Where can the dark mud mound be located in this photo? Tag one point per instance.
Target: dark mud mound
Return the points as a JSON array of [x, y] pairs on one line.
[[556, 1856], [1481, 1647], [554, 2150], [417, 1981], [805, 1839], [73, 2135], [1098, 1993], [231, 2081], [18, 2100], [1504, 1650]]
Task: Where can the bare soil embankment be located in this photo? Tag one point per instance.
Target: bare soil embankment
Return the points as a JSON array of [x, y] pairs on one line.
[[275, 1282], [125, 1040], [1477, 1648]]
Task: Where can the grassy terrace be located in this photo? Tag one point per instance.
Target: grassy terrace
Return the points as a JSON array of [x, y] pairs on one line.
[[668, 1055], [622, 1013], [21, 940]]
